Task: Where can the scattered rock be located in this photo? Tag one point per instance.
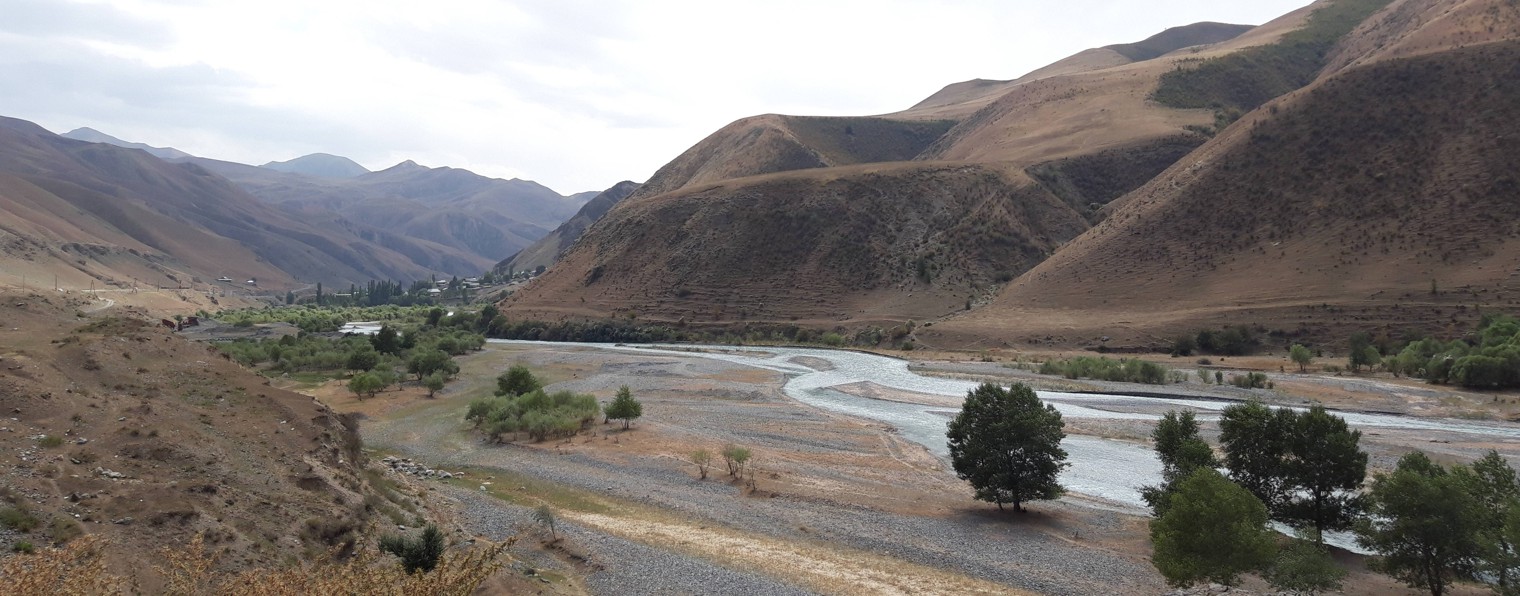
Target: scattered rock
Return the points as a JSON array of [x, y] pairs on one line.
[[110, 474]]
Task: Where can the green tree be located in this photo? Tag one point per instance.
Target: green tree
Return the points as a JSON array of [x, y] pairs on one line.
[[386, 340], [426, 362], [1301, 356], [365, 384], [487, 314], [1305, 567], [1181, 452], [1492, 482], [1255, 440], [417, 554], [362, 360], [1325, 468], [518, 380], [1423, 522], [1362, 354], [624, 407], [1007, 444], [433, 383], [290, 297], [1213, 530]]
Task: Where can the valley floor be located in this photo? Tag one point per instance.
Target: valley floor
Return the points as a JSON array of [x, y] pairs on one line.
[[838, 505]]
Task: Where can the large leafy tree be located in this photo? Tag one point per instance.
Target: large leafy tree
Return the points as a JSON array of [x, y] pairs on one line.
[[1424, 524], [1007, 444], [1181, 452], [1492, 482], [1255, 439], [1213, 530], [1325, 468]]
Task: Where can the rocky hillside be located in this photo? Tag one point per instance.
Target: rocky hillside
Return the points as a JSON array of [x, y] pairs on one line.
[[901, 238], [1343, 166], [912, 215], [1381, 197], [546, 250], [118, 428]]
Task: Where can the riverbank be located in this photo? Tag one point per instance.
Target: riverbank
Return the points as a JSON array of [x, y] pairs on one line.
[[839, 502]]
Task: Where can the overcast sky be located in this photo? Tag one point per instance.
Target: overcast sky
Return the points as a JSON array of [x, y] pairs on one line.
[[574, 94]]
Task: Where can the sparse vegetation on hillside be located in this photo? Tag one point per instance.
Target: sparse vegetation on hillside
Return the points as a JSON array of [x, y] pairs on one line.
[[1244, 80], [847, 140], [1089, 182]]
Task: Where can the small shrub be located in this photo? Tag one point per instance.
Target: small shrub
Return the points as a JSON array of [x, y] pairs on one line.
[[1253, 380], [735, 457], [50, 441], [18, 519], [703, 459], [545, 517], [23, 547], [63, 529], [416, 554]]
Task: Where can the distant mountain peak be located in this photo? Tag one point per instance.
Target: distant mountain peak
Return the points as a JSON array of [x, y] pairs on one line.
[[90, 135], [324, 165]]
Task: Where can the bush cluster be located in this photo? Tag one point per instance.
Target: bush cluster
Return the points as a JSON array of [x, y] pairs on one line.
[[1492, 362], [1128, 370], [539, 414]]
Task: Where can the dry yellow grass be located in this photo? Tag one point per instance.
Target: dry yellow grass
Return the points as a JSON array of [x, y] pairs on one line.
[[80, 569]]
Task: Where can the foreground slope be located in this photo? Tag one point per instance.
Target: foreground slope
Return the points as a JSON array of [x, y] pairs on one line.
[[163, 439], [1380, 198]]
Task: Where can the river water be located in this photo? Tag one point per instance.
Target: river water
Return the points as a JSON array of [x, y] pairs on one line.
[[1108, 471]]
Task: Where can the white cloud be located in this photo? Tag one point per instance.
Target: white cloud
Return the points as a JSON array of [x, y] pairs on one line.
[[576, 94]]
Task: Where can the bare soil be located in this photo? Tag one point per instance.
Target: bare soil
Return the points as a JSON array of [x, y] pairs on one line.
[[836, 505]]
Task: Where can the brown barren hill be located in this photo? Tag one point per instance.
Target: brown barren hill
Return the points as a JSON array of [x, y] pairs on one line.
[[852, 221], [546, 250], [1382, 197], [118, 428], [93, 211], [862, 243]]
